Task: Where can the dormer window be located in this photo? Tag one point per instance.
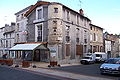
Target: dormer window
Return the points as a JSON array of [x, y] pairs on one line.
[[39, 13]]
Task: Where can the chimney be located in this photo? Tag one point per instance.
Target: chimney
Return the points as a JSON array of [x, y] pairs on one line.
[[12, 24], [6, 25], [81, 12]]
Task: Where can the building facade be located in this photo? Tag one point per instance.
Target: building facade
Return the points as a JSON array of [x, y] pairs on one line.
[[96, 39], [20, 29], [111, 43], [65, 30], [2, 51], [7, 38]]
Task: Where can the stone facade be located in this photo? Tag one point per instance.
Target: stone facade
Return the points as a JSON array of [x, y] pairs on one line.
[[20, 29], [2, 41], [65, 30], [111, 44], [96, 39], [7, 39]]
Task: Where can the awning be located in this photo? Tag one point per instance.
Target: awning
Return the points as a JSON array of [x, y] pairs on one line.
[[23, 47]]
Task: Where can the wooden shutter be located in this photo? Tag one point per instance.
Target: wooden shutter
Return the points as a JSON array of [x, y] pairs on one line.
[[79, 49]]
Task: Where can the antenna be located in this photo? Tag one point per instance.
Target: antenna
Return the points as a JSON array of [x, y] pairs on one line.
[[80, 2]]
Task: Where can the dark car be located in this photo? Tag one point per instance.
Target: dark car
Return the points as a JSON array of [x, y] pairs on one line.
[[111, 66]]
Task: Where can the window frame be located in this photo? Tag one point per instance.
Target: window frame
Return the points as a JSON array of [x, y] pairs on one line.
[[36, 32], [37, 17]]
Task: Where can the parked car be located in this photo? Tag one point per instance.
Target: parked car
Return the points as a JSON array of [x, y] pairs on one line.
[[88, 58], [100, 56], [111, 66]]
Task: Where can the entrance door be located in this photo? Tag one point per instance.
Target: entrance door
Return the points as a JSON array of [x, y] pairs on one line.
[[37, 55]]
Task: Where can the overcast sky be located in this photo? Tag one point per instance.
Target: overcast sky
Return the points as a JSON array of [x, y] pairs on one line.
[[103, 13]]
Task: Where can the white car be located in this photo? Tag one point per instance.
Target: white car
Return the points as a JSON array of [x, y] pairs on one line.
[[87, 60], [111, 66]]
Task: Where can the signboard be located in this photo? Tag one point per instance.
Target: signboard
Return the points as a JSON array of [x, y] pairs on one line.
[[53, 53]]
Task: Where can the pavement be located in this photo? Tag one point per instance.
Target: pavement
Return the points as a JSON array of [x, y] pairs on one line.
[[43, 68]]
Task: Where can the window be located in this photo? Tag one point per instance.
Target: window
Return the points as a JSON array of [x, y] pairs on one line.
[[77, 34], [18, 26], [55, 23], [91, 48], [67, 30], [22, 16], [67, 38], [67, 33], [6, 43], [1, 43], [39, 32], [91, 27], [94, 37], [68, 16], [77, 40], [39, 13], [91, 37], [85, 40], [85, 34], [67, 27], [55, 10], [77, 19], [17, 37]]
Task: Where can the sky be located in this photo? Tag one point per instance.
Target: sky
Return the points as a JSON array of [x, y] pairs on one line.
[[102, 13]]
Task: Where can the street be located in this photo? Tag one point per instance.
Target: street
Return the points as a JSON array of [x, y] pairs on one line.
[[12, 73], [8, 73], [90, 70]]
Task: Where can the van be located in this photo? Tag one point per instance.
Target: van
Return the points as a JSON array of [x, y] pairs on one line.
[[100, 56], [88, 58]]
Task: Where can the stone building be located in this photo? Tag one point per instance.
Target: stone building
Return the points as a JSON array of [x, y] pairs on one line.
[[2, 41], [62, 30], [65, 30], [7, 38], [111, 43], [96, 39], [20, 29]]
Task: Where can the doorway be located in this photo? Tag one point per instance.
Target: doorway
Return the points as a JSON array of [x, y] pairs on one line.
[[36, 55]]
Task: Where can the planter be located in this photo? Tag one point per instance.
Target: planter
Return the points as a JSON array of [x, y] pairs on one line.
[[53, 63], [25, 64], [9, 62], [2, 61]]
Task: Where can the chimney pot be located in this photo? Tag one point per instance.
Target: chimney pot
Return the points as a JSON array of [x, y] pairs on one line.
[[81, 12]]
